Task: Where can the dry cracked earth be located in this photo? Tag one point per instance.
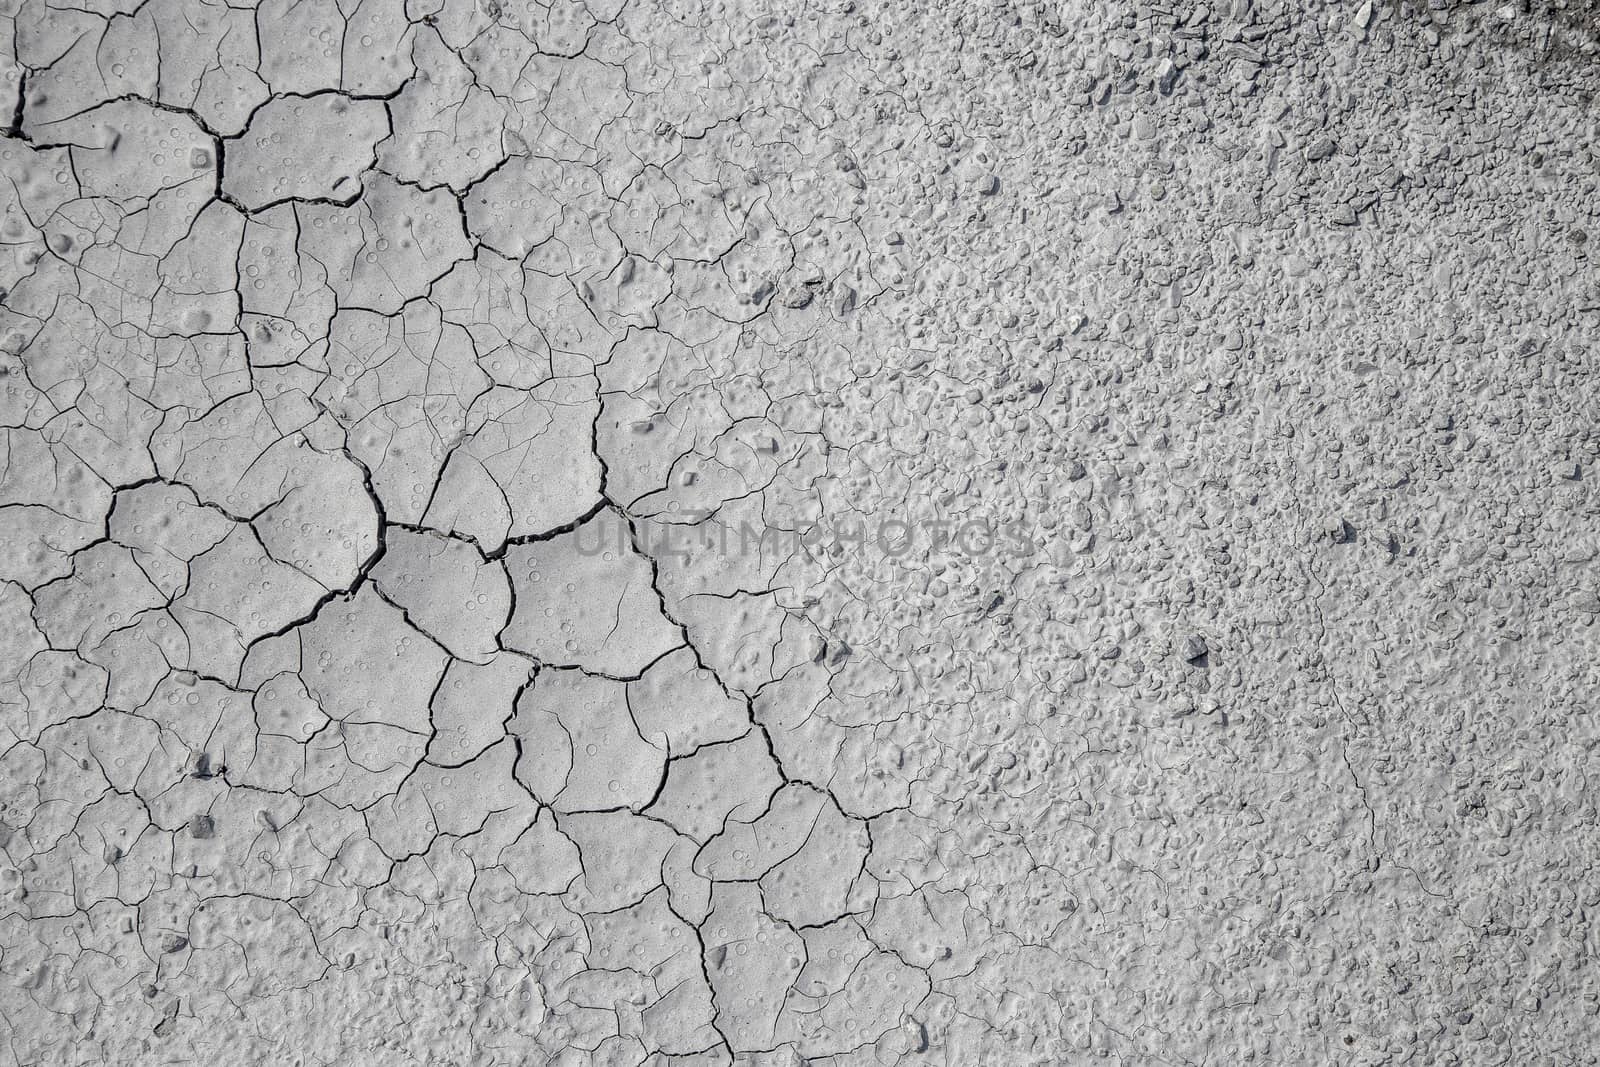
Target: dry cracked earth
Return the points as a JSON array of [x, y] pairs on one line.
[[960, 533]]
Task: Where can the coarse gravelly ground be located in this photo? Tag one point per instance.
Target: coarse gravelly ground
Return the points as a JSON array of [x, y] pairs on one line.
[[854, 533]]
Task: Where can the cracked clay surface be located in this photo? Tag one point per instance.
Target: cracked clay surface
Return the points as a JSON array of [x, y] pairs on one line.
[[860, 533]]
